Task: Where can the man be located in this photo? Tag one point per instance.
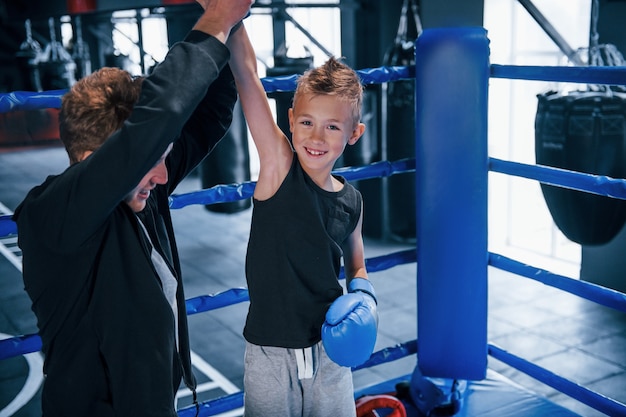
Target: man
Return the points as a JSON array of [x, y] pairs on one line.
[[99, 257]]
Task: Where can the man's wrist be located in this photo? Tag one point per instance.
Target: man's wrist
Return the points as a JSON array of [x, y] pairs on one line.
[[214, 27]]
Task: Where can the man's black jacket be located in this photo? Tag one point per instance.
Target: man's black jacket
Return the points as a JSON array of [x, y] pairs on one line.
[[108, 332]]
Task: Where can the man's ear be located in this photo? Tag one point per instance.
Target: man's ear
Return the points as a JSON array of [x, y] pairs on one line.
[[356, 133], [84, 155]]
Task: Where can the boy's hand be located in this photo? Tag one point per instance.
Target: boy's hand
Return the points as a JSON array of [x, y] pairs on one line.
[[349, 331]]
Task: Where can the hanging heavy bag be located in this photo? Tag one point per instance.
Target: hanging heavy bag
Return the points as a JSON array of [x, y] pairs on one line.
[[400, 124], [229, 163], [27, 59], [57, 68], [584, 132]]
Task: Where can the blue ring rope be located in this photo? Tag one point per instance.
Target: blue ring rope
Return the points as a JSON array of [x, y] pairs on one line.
[[26, 100], [595, 184], [226, 193], [600, 402], [588, 75], [7, 226], [587, 290], [235, 400], [214, 407], [21, 345]]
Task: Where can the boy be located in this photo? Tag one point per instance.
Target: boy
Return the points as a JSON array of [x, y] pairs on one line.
[[304, 220]]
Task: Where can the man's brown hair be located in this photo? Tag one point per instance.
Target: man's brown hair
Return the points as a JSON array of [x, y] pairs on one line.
[[333, 78], [94, 108]]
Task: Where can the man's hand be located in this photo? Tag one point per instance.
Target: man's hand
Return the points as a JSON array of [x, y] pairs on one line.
[[220, 16]]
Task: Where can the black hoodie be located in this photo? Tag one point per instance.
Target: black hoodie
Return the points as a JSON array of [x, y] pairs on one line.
[[107, 329]]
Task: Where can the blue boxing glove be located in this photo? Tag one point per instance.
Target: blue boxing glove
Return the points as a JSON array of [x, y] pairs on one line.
[[349, 331]]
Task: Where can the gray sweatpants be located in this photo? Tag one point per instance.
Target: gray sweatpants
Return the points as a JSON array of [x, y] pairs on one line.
[[295, 383]]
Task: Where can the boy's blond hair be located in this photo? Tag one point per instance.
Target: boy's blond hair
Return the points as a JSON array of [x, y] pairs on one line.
[[333, 78]]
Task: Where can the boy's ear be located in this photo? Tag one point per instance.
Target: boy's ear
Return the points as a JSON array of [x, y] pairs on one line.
[[290, 115], [356, 133]]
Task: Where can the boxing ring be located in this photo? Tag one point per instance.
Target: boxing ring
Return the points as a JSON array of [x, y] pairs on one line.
[[451, 166]]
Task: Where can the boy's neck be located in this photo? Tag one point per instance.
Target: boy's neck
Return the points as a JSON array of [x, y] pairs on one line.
[[325, 181]]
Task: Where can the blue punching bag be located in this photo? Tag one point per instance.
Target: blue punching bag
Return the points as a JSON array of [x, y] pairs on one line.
[[583, 131]]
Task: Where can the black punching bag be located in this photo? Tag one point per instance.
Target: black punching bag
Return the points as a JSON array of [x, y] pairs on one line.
[[400, 125], [583, 131], [229, 163]]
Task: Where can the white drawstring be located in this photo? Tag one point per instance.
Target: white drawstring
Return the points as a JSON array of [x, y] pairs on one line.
[[304, 360]]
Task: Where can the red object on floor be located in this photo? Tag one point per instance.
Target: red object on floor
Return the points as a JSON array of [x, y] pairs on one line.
[[366, 406]]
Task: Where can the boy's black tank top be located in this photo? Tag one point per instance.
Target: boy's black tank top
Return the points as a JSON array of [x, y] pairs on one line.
[[294, 258]]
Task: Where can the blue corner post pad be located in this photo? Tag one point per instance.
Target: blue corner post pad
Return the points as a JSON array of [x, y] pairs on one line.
[[451, 201]]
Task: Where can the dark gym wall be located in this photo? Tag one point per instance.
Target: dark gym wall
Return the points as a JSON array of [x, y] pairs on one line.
[[369, 26], [451, 13]]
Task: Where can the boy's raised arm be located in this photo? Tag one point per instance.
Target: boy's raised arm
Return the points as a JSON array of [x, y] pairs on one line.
[[275, 153]]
